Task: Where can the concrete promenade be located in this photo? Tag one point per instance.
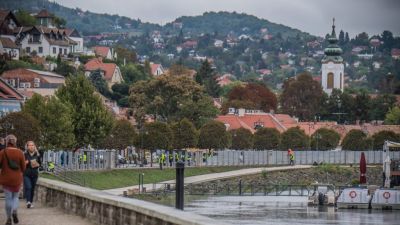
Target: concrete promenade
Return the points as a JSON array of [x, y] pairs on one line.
[[210, 177], [41, 215]]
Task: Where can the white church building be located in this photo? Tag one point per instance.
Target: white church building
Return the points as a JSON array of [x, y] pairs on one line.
[[332, 65]]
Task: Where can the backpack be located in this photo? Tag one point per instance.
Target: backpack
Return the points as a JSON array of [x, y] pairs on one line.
[[11, 163]]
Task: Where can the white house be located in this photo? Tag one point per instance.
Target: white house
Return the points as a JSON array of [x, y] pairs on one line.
[[157, 69], [9, 47], [74, 35], [44, 41], [110, 71], [104, 52], [218, 43]]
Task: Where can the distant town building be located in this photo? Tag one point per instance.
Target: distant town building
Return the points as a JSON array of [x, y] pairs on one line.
[[109, 71], [29, 81], [255, 119], [9, 47], [10, 99], [157, 69], [104, 52], [395, 53], [332, 65]]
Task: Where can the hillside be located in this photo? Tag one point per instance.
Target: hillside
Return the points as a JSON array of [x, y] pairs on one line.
[[238, 23], [85, 21], [93, 23]]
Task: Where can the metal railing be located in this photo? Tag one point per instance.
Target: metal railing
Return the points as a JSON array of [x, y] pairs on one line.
[[111, 159]]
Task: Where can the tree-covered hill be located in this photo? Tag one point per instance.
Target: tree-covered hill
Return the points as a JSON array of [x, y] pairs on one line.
[[238, 23], [85, 21]]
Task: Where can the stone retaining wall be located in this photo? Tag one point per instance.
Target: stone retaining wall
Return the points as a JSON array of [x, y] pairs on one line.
[[107, 209]]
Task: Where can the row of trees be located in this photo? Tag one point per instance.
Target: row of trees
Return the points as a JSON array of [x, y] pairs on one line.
[[304, 98], [75, 116]]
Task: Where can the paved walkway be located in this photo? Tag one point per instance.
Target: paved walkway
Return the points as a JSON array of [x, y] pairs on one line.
[[209, 177], [42, 215]]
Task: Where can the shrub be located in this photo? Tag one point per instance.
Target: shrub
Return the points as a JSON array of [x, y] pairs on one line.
[[355, 140], [325, 139], [294, 138], [379, 138], [241, 139], [267, 138]]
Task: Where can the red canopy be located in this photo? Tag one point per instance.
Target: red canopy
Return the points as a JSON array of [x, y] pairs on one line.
[[363, 169]]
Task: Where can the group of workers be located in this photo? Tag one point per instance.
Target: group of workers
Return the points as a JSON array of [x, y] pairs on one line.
[[185, 157]]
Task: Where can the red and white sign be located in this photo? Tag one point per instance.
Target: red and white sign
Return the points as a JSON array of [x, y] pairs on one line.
[[353, 194]]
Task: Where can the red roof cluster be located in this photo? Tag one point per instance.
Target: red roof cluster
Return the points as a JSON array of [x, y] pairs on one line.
[[101, 51], [97, 64]]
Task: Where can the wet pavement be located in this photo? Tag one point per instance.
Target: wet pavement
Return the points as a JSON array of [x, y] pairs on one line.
[[42, 215], [282, 210]]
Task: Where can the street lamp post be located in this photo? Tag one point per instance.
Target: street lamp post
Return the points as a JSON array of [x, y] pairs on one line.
[[6, 126]]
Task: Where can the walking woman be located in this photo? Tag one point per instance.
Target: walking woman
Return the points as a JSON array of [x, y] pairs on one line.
[[32, 161], [12, 162]]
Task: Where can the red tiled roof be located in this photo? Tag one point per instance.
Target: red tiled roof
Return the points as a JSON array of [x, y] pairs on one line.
[[4, 14], [108, 68], [101, 51], [318, 79], [43, 14], [395, 52], [7, 92], [248, 121], [7, 43], [154, 68]]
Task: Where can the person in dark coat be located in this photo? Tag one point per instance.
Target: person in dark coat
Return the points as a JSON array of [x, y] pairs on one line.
[[31, 174], [12, 167]]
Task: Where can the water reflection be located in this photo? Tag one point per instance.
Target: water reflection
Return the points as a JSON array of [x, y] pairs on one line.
[[284, 210]]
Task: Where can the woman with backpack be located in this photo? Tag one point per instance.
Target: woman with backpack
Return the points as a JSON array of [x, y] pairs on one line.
[[12, 162]]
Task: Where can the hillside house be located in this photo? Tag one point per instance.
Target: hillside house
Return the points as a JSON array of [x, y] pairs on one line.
[[29, 81], [156, 69], [10, 99], [110, 71], [104, 52]]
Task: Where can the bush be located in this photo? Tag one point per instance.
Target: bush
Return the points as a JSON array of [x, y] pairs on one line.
[[355, 140], [325, 139], [23, 126], [294, 138], [266, 138], [213, 135], [241, 139], [379, 138]]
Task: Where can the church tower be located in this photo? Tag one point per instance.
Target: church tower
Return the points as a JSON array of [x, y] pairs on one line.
[[332, 65]]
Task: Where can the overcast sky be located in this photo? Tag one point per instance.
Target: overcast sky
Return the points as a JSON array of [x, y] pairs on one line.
[[313, 16]]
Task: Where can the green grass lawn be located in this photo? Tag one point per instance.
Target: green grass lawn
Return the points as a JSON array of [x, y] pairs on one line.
[[128, 177]]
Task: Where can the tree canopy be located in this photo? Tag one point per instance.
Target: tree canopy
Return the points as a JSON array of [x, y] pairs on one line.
[[251, 96], [294, 138], [242, 138], [171, 98], [122, 135], [393, 116], [90, 118], [355, 140], [185, 134], [23, 126], [324, 139], [213, 135], [206, 76], [157, 135], [379, 138], [301, 96], [55, 120], [267, 138]]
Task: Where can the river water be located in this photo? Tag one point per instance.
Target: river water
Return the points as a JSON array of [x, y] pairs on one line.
[[281, 210]]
